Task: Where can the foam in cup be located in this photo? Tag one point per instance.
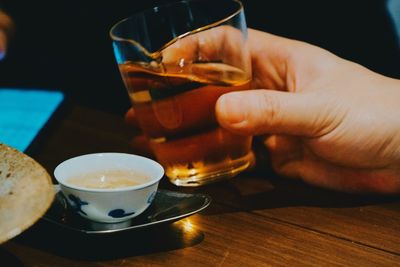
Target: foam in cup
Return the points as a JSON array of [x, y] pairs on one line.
[[109, 179]]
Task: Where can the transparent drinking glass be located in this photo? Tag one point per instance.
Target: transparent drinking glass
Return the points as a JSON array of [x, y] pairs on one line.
[[176, 60]]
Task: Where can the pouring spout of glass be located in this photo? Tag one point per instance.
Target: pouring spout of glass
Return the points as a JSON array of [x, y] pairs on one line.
[[144, 37]]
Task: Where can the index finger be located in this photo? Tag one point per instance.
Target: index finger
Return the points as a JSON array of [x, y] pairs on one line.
[[131, 119]]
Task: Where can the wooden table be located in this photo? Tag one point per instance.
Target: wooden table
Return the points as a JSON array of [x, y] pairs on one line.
[[256, 219]]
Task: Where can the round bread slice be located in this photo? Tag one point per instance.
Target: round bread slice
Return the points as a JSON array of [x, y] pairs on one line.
[[26, 192]]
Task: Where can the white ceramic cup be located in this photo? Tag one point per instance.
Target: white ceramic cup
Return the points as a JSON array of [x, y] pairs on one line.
[[109, 205]]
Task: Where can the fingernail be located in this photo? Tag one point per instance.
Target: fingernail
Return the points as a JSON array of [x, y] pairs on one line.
[[228, 108]]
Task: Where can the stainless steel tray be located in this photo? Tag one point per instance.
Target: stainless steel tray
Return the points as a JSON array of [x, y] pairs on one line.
[[167, 207]]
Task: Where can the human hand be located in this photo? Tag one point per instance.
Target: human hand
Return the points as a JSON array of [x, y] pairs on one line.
[[6, 26], [327, 121]]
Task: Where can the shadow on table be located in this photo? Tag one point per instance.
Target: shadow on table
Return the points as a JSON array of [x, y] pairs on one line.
[[265, 190], [8, 259], [75, 245]]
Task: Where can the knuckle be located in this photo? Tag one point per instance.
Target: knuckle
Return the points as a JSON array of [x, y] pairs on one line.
[[269, 112]]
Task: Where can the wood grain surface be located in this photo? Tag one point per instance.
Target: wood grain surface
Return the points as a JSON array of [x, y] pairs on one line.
[[255, 219]]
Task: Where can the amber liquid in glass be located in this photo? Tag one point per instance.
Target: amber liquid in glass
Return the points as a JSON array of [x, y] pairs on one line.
[[175, 107]]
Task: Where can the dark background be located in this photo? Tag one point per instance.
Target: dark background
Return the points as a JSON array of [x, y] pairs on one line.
[[65, 44]]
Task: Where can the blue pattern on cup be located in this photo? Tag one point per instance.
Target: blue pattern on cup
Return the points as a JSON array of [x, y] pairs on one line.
[[77, 203], [119, 213]]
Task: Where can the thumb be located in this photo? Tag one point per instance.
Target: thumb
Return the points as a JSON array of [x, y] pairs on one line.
[[257, 112]]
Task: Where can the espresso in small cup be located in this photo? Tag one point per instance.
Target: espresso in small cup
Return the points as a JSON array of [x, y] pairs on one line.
[[109, 179]]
